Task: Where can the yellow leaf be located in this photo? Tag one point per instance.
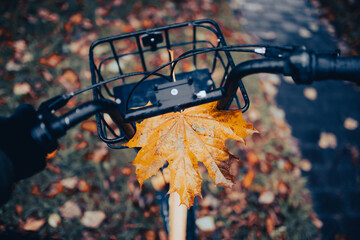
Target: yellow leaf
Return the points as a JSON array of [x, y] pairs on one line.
[[183, 139]]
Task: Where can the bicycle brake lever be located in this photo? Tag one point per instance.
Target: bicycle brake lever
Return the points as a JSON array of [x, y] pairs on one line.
[[55, 103]]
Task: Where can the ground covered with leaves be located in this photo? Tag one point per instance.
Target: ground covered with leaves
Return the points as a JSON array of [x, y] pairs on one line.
[[90, 192]]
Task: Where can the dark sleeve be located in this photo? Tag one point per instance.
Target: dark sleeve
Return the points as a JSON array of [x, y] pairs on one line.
[[6, 178]]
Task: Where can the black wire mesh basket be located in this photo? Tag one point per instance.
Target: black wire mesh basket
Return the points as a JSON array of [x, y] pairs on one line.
[[159, 70]]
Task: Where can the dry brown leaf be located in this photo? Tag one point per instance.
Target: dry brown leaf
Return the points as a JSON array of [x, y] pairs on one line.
[[52, 61], [32, 224], [126, 171], [93, 219], [270, 225], [252, 158], [69, 80], [248, 179], [51, 155], [89, 126], [70, 210], [282, 188], [183, 139], [35, 190], [76, 18], [53, 189], [81, 145], [83, 186]]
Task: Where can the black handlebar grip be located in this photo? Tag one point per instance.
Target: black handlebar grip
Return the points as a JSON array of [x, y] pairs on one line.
[[337, 68]]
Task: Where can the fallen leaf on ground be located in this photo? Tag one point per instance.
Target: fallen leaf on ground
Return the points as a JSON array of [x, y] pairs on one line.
[[70, 183], [83, 186], [252, 158], [53, 189], [89, 126], [248, 179], [70, 210], [52, 61], [310, 93], [305, 165], [76, 18], [126, 171], [93, 219], [327, 140], [33, 224], [35, 190], [81, 145], [270, 225], [183, 139], [282, 188], [21, 89], [54, 220], [266, 197], [351, 124], [304, 33], [69, 80], [206, 224], [51, 155]]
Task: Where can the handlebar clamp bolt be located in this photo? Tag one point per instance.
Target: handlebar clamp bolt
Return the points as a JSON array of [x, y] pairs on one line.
[[174, 92]]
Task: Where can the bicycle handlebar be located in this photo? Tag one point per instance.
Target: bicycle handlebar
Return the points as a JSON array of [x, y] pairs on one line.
[[303, 66], [306, 67]]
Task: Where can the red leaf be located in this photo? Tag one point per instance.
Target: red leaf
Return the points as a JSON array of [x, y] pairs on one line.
[[33, 224]]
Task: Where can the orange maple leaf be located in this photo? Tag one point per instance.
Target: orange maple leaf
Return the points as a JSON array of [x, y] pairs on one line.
[[183, 139]]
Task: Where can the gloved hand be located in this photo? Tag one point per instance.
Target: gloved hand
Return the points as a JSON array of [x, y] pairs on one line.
[[26, 155]]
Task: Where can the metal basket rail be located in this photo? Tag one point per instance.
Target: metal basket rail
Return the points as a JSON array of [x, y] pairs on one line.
[[140, 69]]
